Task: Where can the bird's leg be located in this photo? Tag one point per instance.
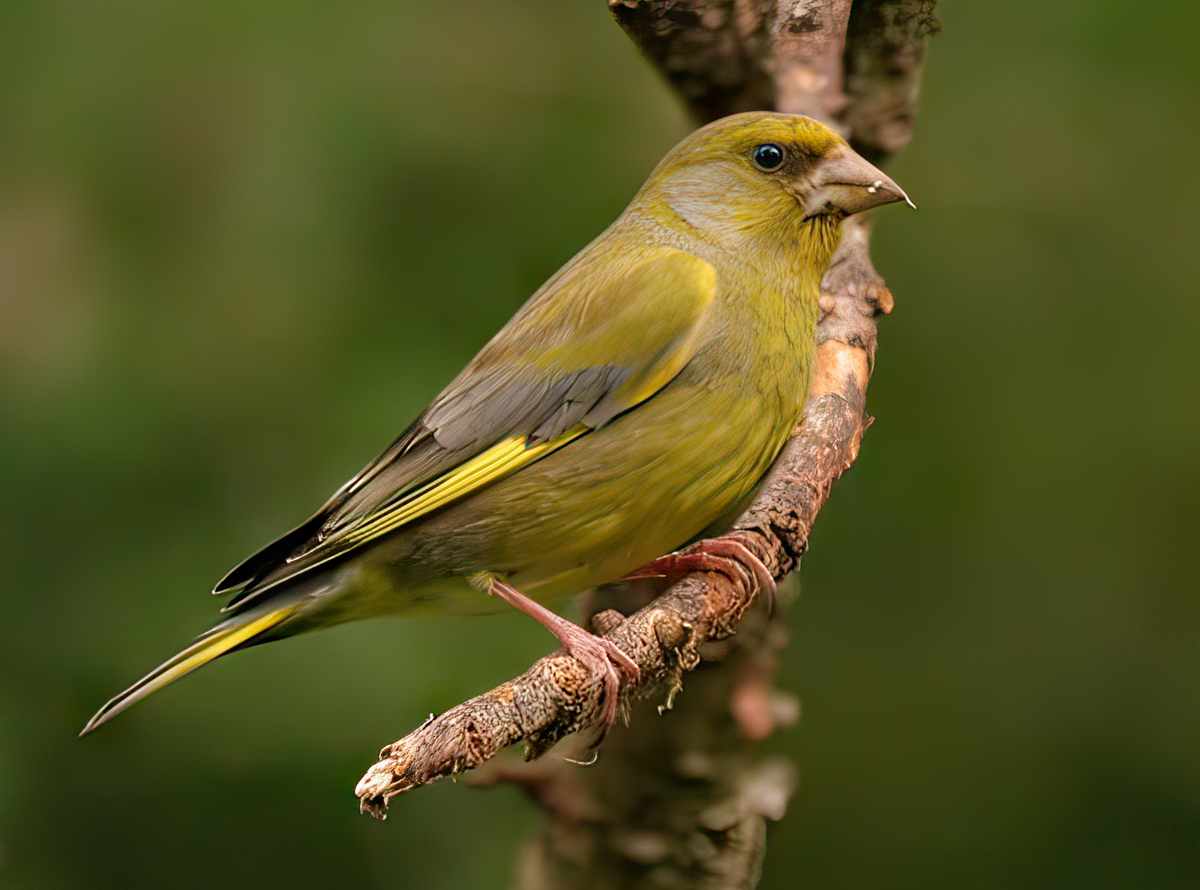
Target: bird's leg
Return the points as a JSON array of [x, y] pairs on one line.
[[728, 556], [599, 655]]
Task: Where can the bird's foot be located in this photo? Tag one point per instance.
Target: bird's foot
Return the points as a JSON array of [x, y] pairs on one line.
[[604, 659], [729, 556], [599, 655]]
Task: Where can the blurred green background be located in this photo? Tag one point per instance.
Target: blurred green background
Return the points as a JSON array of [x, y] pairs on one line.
[[242, 244]]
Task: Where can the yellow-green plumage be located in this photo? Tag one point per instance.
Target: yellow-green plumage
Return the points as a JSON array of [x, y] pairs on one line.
[[632, 404]]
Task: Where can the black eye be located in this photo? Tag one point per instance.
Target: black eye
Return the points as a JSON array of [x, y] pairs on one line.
[[769, 157]]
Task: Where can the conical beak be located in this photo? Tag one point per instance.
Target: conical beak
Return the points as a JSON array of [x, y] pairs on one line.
[[843, 181]]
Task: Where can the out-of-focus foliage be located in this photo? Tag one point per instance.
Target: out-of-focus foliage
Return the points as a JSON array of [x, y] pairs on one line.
[[241, 244]]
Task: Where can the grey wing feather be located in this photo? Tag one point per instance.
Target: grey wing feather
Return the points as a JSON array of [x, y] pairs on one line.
[[462, 422]]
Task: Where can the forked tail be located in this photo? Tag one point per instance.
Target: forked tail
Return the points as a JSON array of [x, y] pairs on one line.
[[212, 645]]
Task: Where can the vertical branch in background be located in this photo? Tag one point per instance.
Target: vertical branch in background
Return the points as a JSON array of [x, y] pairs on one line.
[[683, 802]]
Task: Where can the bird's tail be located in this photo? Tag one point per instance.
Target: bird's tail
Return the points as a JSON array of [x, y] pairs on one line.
[[223, 638]]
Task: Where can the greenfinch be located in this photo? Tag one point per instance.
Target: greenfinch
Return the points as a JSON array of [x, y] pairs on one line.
[[631, 406]]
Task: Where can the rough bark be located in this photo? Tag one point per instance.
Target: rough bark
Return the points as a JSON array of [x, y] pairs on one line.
[[683, 801]]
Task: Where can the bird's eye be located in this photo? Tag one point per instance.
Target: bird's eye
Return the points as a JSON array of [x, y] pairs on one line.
[[769, 157]]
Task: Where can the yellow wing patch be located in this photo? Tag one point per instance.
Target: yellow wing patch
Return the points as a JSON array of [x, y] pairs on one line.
[[497, 462]]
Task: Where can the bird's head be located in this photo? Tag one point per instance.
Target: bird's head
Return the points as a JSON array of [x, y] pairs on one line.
[[757, 171]]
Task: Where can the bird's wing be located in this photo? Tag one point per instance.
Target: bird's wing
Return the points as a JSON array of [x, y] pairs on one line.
[[590, 344]]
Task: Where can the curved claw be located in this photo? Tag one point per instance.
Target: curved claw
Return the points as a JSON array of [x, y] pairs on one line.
[[606, 660], [728, 556]]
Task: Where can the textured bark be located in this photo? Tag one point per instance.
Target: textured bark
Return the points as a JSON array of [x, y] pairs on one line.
[[683, 801]]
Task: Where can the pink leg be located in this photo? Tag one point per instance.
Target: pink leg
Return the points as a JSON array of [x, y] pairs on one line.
[[725, 555], [600, 656]]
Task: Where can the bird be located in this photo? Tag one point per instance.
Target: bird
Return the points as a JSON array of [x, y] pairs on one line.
[[630, 407]]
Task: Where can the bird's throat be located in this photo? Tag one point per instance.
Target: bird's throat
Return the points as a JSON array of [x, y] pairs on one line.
[[816, 240]]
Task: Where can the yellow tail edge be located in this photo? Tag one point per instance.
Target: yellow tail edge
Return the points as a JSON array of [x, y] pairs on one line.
[[210, 646]]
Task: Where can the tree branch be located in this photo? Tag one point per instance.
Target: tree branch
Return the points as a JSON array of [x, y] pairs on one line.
[[679, 802]]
